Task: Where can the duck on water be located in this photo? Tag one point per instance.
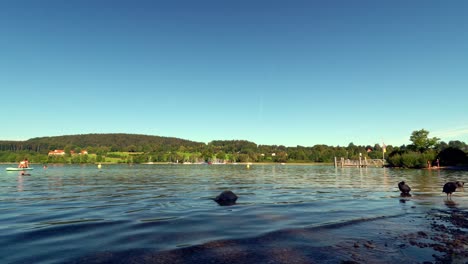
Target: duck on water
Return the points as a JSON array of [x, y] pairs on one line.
[[451, 187], [226, 198], [404, 189]]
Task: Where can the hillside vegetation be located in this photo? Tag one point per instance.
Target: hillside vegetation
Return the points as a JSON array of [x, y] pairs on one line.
[[134, 148]]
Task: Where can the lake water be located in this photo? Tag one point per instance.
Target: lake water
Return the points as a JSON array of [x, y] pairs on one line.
[[65, 212]]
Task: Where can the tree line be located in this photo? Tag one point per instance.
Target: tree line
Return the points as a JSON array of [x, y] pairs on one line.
[[145, 148], [428, 151]]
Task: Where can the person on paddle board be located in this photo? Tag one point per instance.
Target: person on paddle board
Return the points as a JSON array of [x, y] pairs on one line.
[[24, 163]]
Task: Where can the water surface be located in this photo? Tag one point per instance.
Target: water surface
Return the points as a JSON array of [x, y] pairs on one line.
[[68, 211]]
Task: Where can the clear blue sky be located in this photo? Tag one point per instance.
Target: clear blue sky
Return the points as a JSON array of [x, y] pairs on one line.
[[272, 72]]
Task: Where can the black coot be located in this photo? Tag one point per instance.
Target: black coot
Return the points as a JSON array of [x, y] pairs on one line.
[[226, 198], [404, 189], [449, 188]]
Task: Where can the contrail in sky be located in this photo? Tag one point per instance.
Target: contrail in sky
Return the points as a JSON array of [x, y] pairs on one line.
[[260, 109], [452, 133]]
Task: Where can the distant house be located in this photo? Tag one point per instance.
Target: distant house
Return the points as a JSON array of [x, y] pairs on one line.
[[57, 152], [82, 152]]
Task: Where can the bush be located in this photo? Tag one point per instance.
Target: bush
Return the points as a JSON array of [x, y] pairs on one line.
[[395, 160], [452, 157], [411, 160], [427, 156]]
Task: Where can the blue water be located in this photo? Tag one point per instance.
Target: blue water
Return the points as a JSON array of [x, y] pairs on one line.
[[68, 211]]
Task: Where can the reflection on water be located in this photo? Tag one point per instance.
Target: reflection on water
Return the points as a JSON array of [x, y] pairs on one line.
[[20, 183], [69, 211], [450, 204]]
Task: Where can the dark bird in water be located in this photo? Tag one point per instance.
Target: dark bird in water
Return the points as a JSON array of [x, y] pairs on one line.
[[450, 187], [226, 198], [404, 189]]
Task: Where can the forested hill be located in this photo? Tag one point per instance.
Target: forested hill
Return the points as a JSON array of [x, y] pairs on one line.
[[115, 142], [145, 148]]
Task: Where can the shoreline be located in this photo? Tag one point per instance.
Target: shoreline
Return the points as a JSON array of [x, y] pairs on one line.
[[168, 163], [458, 168]]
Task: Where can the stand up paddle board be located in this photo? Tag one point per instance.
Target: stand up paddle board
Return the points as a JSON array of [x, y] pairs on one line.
[[18, 169]]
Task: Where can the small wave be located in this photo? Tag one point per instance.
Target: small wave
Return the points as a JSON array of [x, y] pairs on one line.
[[72, 221], [337, 224], [157, 219]]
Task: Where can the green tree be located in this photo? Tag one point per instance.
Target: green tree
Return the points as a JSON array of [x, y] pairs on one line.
[[75, 159], [84, 158], [221, 155], [421, 141], [67, 149], [458, 144], [441, 146], [132, 148]]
